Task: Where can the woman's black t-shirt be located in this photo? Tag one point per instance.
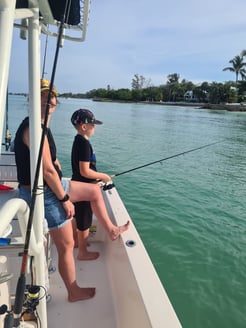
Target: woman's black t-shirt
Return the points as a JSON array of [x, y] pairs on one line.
[[22, 154]]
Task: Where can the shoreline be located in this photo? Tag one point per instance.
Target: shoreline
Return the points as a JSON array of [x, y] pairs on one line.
[[237, 107], [228, 107]]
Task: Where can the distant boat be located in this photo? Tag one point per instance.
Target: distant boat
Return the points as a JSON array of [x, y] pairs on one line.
[[129, 291]]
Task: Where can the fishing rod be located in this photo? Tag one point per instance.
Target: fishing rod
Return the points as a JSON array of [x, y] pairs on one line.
[[165, 159], [21, 284]]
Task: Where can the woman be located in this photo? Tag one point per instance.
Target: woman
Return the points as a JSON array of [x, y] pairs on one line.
[[59, 196]]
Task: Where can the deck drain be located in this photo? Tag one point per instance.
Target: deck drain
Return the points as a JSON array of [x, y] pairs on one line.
[[130, 243]]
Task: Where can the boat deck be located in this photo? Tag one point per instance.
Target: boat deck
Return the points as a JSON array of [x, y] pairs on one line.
[[128, 290], [96, 312]]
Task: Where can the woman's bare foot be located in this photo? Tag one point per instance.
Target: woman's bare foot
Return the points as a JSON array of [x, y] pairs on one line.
[[82, 294], [88, 256], [117, 231]]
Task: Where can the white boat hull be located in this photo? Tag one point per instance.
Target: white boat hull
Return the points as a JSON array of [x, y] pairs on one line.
[[128, 290]]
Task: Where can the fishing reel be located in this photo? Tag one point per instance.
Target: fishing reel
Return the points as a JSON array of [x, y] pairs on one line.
[[108, 186], [9, 319], [31, 299]]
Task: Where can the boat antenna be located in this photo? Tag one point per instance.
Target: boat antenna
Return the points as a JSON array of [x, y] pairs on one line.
[[20, 289], [7, 133], [165, 159], [45, 53]]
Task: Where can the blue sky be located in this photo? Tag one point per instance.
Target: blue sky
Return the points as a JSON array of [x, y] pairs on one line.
[[193, 38]]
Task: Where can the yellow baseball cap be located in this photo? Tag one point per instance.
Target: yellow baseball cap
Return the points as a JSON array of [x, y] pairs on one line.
[[45, 85]]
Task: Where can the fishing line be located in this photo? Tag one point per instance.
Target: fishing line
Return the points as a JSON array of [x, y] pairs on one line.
[[20, 289], [165, 159]]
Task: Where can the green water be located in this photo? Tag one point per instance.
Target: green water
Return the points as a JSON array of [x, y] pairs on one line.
[[189, 210]]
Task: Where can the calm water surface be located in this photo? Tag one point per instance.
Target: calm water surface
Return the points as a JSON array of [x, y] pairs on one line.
[[190, 210]]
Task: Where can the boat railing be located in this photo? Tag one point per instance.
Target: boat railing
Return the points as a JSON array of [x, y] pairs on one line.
[[12, 208], [141, 276], [17, 207]]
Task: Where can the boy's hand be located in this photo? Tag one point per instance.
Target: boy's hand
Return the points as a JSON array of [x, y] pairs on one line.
[[105, 177]]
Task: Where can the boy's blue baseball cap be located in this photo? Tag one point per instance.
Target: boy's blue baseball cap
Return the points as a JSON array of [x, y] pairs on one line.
[[84, 116]]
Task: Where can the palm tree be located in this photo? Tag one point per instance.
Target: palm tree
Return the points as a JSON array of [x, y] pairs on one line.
[[237, 66], [243, 53]]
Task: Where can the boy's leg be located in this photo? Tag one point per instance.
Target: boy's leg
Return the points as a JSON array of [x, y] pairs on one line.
[[80, 191], [83, 214], [75, 234], [83, 254]]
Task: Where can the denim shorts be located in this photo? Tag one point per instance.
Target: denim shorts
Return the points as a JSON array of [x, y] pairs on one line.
[[54, 211]]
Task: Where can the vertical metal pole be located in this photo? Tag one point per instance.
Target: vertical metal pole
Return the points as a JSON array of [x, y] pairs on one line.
[[7, 14]]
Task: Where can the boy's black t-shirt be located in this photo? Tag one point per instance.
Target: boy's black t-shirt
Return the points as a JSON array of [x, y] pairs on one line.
[[82, 152]]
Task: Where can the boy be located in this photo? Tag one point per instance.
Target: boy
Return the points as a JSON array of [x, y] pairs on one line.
[[84, 170]]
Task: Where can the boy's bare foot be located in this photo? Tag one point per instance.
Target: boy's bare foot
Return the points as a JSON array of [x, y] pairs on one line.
[[119, 230], [88, 256], [82, 295], [76, 244]]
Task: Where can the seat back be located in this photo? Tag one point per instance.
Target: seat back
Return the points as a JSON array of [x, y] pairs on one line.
[[8, 171]]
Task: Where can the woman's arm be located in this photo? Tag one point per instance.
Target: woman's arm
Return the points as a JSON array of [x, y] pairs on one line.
[[50, 175], [57, 163], [52, 179], [49, 172]]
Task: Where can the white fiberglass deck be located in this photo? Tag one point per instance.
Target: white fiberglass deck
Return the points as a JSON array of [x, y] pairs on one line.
[[129, 293], [96, 312]]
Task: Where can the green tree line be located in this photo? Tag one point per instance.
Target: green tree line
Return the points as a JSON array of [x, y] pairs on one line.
[[174, 89]]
